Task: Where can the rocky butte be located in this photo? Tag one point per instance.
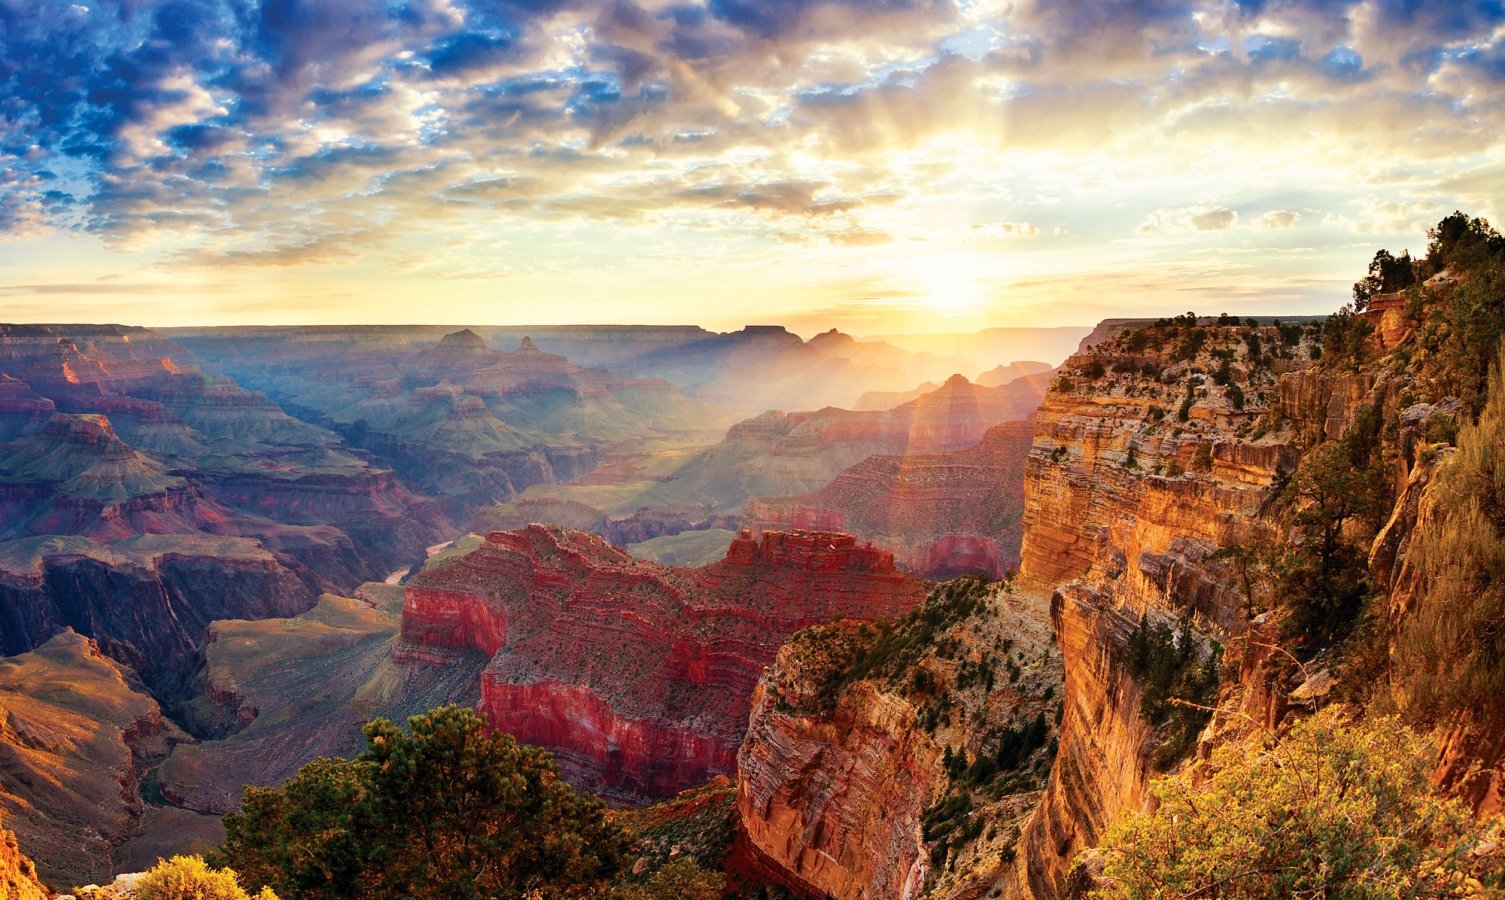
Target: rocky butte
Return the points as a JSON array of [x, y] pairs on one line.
[[637, 676]]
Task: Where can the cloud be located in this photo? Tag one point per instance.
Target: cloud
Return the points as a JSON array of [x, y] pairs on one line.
[[1214, 219], [1280, 218], [265, 133]]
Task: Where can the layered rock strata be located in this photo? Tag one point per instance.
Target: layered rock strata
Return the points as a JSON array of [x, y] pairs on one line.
[[638, 676]]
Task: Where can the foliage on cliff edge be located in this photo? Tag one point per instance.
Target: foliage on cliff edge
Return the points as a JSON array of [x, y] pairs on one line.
[[1333, 809]]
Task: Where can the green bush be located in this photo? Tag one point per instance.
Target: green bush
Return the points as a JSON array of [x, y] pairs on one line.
[[447, 809], [1331, 810], [1175, 680]]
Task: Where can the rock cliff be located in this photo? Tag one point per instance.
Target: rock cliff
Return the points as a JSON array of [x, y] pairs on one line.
[[892, 760], [1154, 450], [638, 676]]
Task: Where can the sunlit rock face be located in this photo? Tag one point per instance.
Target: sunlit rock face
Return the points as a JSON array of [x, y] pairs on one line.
[[639, 676], [942, 514], [1135, 481], [1125, 501]]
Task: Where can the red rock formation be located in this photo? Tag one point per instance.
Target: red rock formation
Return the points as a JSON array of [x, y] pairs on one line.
[[638, 676], [942, 514]]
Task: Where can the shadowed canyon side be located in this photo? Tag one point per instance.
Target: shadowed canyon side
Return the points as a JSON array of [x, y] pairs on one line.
[[637, 676], [78, 739]]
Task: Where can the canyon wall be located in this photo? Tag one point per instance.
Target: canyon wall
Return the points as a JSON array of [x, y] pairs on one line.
[[638, 676], [891, 761], [1142, 469]]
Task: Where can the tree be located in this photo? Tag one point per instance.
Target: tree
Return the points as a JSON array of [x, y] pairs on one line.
[[1387, 274], [1324, 581], [445, 809], [1333, 809], [190, 878]]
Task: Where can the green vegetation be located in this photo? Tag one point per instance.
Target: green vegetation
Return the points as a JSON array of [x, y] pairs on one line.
[[1450, 649], [678, 880], [1324, 579], [1176, 683], [444, 810], [1333, 809], [891, 649], [190, 878], [1387, 274]]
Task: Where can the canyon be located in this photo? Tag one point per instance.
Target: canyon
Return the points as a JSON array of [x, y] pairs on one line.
[[203, 587]]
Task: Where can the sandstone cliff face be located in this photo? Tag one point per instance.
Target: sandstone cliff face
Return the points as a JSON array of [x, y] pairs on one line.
[[942, 514], [1131, 491], [1143, 467], [18, 874], [638, 676], [888, 762]]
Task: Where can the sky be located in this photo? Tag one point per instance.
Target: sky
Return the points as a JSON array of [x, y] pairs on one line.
[[880, 167]]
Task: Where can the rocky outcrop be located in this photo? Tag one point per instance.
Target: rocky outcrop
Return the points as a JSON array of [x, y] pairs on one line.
[[638, 676], [18, 874], [890, 763], [76, 737], [1144, 466], [942, 514]]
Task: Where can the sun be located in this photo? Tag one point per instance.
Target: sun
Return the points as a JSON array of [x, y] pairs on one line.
[[948, 285]]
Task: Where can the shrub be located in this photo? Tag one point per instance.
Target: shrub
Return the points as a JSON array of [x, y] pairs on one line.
[[1174, 681], [190, 878], [447, 809], [1201, 460], [1331, 810]]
